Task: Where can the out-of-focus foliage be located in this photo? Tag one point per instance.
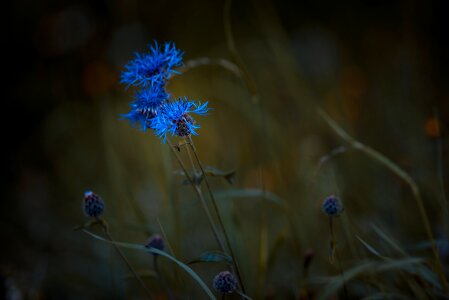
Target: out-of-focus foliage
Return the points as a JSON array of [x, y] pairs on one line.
[[379, 69]]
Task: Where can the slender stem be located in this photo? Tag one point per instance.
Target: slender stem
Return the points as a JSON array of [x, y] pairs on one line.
[[128, 264], [173, 199], [344, 218], [191, 160], [156, 266], [217, 212], [404, 176], [165, 238], [335, 251], [440, 169], [332, 243], [161, 278], [342, 273], [200, 195]]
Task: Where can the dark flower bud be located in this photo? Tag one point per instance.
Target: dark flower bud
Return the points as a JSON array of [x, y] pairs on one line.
[[225, 282], [332, 206], [93, 205], [155, 241]]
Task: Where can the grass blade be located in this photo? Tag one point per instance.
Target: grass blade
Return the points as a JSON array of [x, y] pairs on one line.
[[161, 253], [423, 271], [368, 267], [382, 296], [388, 239], [389, 164], [370, 248]]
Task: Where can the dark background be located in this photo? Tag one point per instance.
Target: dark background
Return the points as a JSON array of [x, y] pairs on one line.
[[380, 68]]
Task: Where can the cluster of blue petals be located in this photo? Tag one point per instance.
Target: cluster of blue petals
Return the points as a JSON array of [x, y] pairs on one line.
[[146, 105], [175, 115], [154, 67], [152, 107]]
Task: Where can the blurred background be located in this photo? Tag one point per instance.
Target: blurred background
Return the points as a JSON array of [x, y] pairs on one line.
[[378, 68]]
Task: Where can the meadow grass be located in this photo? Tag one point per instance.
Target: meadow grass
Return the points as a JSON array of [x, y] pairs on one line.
[[268, 228]]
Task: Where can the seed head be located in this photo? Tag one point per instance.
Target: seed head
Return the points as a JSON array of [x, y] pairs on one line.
[[225, 282], [155, 241], [93, 205], [332, 206]]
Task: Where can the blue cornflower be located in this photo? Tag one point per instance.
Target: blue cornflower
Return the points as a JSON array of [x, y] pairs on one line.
[[145, 107], [156, 66], [174, 117]]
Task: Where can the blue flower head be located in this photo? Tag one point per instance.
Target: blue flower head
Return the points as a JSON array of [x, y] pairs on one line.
[[156, 66], [225, 282], [146, 105], [93, 205], [332, 206], [175, 118]]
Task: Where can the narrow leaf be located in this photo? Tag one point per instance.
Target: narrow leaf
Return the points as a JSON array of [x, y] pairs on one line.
[[212, 256], [370, 248], [161, 253], [388, 239], [382, 296], [228, 175], [243, 295], [368, 267]]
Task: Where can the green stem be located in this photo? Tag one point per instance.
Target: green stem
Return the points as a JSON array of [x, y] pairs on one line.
[[200, 195], [217, 212], [191, 161], [335, 252], [173, 200], [161, 278], [128, 264], [404, 176], [443, 198]]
